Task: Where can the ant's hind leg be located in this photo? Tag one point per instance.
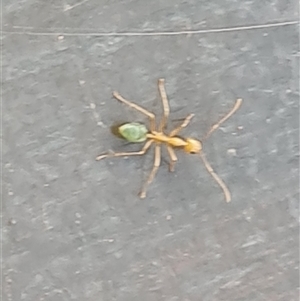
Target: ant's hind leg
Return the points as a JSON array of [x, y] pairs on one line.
[[141, 152], [138, 108], [156, 165]]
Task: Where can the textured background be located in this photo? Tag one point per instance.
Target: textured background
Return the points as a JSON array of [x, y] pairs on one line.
[[73, 228]]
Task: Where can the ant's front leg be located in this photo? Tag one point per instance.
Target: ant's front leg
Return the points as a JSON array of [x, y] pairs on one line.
[[173, 158]]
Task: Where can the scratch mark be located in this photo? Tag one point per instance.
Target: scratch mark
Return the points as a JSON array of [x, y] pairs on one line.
[[238, 275], [8, 286], [154, 33], [254, 239], [69, 7]]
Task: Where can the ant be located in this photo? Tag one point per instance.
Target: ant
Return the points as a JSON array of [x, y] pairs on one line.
[[137, 132]]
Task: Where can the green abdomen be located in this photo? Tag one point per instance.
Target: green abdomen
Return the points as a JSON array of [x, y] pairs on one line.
[[133, 132]]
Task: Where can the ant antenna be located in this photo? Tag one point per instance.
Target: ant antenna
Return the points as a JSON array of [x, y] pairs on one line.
[[216, 177], [204, 160], [217, 125]]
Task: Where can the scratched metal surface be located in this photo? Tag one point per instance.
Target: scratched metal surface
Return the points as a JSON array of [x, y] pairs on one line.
[[73, 228]]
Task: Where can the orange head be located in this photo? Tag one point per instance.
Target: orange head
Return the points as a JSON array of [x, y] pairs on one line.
[[193, 146]]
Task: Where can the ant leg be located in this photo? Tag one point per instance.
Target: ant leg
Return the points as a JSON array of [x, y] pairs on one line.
[[173, 158], [183, 125], [216, 177], [153, 171], [165, 102], [216, 126], [141, 152], [138, 108]]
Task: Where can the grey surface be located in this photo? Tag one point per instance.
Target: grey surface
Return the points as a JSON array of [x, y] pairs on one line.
[[73, 228]]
